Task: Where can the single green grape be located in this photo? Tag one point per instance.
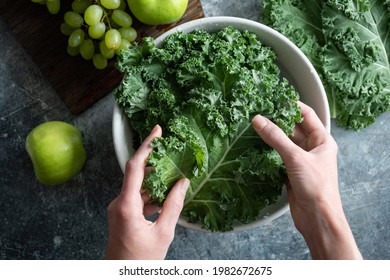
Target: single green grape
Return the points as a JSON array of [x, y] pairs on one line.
[[123, 46], [66, 29], [97, 31], [53, 6], [76, 38], [106, 52], [112, 39], [110, 4], [122, 18], [87, 49], [41, 2], [73, 19], [93, 14], [99, 61], [128, 33], [79, 6], [122, 5], [72, 51]]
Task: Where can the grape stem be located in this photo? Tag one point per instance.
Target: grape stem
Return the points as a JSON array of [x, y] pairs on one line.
[[105, 14]]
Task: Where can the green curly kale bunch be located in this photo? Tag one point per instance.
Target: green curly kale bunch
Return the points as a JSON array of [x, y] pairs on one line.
[[203, 89]]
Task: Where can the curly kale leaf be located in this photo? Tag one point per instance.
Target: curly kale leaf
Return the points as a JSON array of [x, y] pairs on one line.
[[348, 43], [204, 89], [356, 59]]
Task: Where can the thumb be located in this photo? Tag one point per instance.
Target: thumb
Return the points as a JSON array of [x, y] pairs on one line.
[[273, 136], [173, 204]]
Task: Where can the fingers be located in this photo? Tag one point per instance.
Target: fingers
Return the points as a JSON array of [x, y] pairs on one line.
[[311, 121], [299, 137], [173, 204], [310, 129], [135, 167], [273, 136]]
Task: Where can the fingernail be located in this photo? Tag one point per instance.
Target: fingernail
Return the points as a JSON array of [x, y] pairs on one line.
[[185, 183], [155, 128], [259, 122]]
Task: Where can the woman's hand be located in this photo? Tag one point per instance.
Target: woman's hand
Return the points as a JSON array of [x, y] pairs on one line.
[[131, 235], [310, 157]]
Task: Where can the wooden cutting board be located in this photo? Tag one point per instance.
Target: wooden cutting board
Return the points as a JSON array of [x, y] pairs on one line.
[[76, 81]]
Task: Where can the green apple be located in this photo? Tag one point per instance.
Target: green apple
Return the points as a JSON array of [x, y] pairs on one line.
[[56, 151], [155, 12]]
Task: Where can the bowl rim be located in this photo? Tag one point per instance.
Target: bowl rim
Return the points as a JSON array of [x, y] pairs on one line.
[[120, 121]]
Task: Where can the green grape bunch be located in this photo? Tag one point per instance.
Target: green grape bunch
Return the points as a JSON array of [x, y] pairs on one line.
[[97, 30]]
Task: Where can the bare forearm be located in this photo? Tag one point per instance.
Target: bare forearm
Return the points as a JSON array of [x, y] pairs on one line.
[[331, 237]]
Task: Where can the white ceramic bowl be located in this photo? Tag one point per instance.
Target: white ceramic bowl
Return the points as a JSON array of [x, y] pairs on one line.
[[294, 65]]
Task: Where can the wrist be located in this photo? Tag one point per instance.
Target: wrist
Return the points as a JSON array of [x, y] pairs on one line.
[[330, 236]]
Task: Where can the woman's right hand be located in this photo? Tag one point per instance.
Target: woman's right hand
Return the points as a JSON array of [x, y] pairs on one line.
[[310, 157]]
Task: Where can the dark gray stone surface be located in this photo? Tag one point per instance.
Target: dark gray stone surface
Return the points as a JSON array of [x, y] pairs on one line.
[[70, 221]]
